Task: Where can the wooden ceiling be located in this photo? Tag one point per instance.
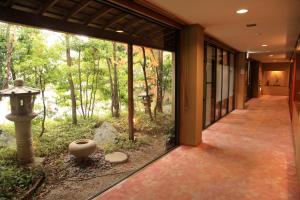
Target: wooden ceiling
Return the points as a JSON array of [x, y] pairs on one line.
[[95, 18]]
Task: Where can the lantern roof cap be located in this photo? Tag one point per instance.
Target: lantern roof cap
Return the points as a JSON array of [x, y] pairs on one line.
[[19, 89]]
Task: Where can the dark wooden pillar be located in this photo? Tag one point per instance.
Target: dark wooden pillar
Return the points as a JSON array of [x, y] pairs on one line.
[[130, 93], [191, 84], [241, 84]]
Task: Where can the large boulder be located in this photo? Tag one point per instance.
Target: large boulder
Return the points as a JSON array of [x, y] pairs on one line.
[[105, 134], [6, 140]]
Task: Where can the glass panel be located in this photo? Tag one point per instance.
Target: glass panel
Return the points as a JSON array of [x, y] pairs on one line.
[[154, 97], [97, 73], [208, 105], [218, 84], [231, 82], [225, 81], [209, 63], [209, 97]]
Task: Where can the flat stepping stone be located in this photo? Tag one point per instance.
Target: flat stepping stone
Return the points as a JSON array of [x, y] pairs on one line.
[[116, 157]]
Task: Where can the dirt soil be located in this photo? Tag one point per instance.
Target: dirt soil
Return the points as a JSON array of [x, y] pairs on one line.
[[73, 181]]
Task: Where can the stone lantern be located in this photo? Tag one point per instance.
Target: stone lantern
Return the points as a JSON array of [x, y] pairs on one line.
[[144, 98], [22, 102]]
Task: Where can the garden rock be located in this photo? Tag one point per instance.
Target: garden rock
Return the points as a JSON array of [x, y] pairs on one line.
[[6, 140], [105, 134]]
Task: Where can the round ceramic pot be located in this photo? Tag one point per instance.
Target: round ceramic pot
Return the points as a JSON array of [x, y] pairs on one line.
[[82, 148]]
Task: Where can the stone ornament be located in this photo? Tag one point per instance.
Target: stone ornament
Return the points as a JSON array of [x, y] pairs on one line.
[[22, 103], [82, 148]]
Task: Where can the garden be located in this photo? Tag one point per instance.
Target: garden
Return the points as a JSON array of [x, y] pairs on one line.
[[83, 84]]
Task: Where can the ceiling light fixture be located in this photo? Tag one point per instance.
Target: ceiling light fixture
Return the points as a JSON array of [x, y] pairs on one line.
[[242, 11], [264, 45], [119, 31], [271, 55], [251, 25]]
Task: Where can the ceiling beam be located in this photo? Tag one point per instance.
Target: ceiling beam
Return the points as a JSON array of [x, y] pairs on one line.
[[98, 15], [9, 3], [134, 23], [145, 11], [116, 19], [77, 9], [159, 36], [154, 33], [145, 28], [29, 19], [46, 6]]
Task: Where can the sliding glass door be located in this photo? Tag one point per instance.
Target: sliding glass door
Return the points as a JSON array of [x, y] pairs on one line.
[[225, 83], [231, 83], [219, 84], [209, 100]]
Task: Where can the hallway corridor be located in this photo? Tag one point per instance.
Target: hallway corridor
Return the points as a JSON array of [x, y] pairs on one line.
[[246, 155]]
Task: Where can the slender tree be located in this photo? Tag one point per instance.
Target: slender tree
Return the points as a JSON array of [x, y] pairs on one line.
[[144, 66], [10, 39], [70, 79], [157, 56], [114, 81], [42, 83], [80, 82]]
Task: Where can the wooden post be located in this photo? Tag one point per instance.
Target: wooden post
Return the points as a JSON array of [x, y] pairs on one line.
[[191, 84], [130, 93]]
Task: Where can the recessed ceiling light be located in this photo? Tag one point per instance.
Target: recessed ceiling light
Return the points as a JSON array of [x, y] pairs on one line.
[[271, 55], [251, 25], [119, 31], [264, 45], [242, 11]]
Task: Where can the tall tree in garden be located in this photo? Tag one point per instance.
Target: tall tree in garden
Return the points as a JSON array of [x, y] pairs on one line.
[[88, 70], [159, 82], [112, 64], [144, 66], [70, 79], [78, 46], [10, 39], [157, 56], [94, 83], [2, 53]]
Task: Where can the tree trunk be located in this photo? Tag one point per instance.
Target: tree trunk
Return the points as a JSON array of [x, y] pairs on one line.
[[116, 101], [70, 80], [159, 83], [109, 65], [42, 84], [92, 85], [144, 64], [80, 84], [86, 92], [10, 38], [13, 72], [96, 87]]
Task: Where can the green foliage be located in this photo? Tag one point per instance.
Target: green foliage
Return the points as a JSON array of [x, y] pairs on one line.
[[2, 52], [122, 142], [14, 181], [59, 134]]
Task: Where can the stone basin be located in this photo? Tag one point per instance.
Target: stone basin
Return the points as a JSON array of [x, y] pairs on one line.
[[82, 148]]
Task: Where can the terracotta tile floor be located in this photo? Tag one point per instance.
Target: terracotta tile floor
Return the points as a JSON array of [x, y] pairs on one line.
[[246, 155]]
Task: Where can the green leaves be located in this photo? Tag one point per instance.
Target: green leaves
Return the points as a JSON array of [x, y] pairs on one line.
[[14, 181]]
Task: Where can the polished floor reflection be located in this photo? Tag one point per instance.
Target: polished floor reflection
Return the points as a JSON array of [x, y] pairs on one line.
[[246, 155]]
